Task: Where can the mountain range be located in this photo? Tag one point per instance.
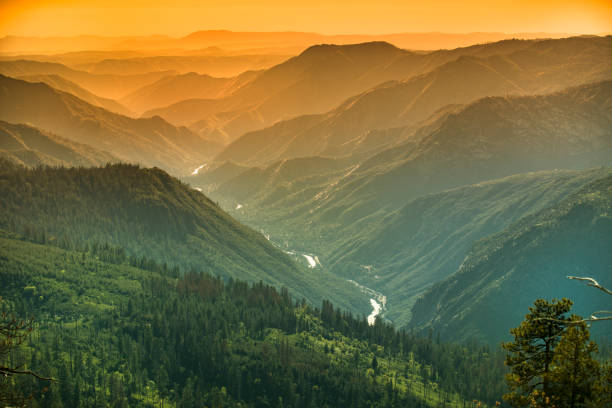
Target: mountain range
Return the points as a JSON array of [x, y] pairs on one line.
[[374, 221], [379, 177], [441, 79], [31, 147], [150, 141]]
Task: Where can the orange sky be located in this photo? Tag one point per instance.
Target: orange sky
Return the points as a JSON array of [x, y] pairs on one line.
[[180, 17]]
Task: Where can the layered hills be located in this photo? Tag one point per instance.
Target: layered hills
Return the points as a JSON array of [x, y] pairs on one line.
[[519, 68], [32, 147], [175, 88], [503, 274], [313, 82], [374, 221], [150, 141], [62, 84], [490, 138], [103, 85], [214, 62]]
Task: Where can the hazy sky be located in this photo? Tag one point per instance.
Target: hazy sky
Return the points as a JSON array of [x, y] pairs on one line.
[[180, 17]]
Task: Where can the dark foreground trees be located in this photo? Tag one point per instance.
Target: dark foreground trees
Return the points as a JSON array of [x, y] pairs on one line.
[[552, 361]]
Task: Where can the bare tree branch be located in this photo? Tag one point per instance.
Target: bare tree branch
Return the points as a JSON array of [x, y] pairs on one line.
[[594, 317], [7, 371], [592, 282]]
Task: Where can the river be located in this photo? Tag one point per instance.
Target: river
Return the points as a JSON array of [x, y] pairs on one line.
[[378, 301]]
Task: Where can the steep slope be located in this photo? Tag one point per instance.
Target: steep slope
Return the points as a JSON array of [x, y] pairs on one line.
[[337, 215], [427, 239], [175, 88], [107, 86], [150, 141], [149, 213], [313, 82], [491, 138], [535, 67], [62, 84], [32, 147], [488, 139], [504, 274]]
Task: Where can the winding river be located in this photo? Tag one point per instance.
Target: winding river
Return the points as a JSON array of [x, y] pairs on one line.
[[378, 301]]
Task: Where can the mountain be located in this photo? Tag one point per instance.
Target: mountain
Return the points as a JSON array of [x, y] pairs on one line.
[[31, 147], [490, 138], [519, 69], [175, 88], [149, 213], [150, 141], [397, 253], [214, 65], [106, 86], [211, 176], [62, 84], [426, 240], [313, 82], [503, 274], [374, 221]]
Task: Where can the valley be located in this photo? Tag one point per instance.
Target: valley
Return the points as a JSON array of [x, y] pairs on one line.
[[295, 219]]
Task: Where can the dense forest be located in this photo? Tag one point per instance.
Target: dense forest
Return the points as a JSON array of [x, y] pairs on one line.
[[152, 215], [115, 330]]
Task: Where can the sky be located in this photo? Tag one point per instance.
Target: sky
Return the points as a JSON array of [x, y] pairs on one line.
[[181, 17]]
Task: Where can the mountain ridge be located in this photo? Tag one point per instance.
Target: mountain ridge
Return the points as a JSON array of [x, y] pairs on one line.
[[528, 260], [151, 141]]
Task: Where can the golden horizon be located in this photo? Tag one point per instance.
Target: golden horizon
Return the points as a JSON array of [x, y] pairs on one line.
[[112, 18]]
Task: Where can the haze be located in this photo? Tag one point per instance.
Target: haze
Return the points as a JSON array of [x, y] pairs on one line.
[[138, 17]]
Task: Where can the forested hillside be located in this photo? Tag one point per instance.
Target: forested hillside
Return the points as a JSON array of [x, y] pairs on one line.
[[503, 274], [112, 333], [151, 214]]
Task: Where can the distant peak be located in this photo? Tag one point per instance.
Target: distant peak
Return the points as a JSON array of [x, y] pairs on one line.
[[372, 46]]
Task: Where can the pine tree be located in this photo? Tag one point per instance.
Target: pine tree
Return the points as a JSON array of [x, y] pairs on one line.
[[531, 353], [574, 370], [602, 393]]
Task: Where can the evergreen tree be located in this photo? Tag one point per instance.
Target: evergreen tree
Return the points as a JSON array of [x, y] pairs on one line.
[[574, 370], [602, 393], [530, 355]]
